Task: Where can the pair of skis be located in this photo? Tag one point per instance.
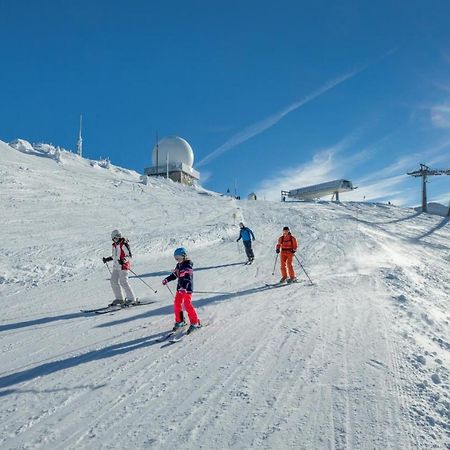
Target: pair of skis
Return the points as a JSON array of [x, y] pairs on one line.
[[274, 285], [113, 308], [174, 336]]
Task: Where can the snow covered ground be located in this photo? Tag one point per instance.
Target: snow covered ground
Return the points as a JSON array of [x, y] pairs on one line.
[[359, 360]]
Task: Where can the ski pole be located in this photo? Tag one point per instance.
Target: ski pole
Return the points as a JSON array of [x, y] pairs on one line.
[[170, 290], [301, 265], [276, 258], [143, 281], [109, 270]]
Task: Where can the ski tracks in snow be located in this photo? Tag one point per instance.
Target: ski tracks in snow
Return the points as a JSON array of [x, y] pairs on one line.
[[297, 367]]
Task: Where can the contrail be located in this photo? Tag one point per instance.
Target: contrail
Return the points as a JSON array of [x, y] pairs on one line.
[[270, 121]]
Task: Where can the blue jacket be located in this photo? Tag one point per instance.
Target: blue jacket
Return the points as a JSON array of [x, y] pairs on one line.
[[185, 273], [246, 234]]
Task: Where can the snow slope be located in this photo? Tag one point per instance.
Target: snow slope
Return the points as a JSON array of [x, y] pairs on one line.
[[359, 360]]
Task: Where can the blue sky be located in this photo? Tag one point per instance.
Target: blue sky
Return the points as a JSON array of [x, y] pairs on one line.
[[274, 95]]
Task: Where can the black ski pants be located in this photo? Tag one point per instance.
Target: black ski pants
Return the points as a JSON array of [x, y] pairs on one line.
[[248, 249]]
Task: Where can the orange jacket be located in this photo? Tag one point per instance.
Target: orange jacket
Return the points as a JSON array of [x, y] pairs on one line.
[[287, 243]]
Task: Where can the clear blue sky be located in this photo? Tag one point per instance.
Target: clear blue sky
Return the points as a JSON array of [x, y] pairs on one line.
[[272, 94]]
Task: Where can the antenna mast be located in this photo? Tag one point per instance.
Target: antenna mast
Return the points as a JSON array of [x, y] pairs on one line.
[[80, 139], [157, 152]]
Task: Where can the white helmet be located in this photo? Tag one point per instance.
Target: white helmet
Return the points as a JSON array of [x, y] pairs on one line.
[[116, 234]]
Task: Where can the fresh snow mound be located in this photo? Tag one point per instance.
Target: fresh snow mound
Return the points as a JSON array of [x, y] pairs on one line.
[[359, 360], [23, 146], [435, 208], [40, 149]]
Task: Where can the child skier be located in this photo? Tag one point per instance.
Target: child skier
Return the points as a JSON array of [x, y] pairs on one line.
[[288, 246], [121, 257], [247, 237], [184, 272]]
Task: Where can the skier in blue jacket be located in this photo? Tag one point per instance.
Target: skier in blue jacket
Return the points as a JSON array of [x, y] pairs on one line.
[[247, 237]]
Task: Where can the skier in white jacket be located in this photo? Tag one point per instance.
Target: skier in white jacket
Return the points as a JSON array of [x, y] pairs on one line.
[[121, 257]]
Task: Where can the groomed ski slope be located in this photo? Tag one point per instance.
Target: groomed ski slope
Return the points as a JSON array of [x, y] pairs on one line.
[[359, 360]]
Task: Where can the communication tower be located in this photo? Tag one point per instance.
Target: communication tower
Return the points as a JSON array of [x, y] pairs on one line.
[[80, 139]]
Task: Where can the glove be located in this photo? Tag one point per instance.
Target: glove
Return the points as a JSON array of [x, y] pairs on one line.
[[293, 251], [121, 262], [277, 250], [164, 282], [105, 260]]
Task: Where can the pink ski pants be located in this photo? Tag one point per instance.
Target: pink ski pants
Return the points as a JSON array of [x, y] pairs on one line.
[[180, 299]]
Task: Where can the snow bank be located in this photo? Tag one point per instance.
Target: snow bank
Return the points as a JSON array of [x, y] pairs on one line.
[[46, 150], [436, 209]]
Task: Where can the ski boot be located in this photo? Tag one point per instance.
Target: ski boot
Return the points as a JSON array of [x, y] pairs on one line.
[[282, 280], [129, 302], [193, 327], [117, 302], [291, 280], [179, 325]]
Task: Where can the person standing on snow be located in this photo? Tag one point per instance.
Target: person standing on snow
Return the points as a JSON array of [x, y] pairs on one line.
[[185, 274], [287, 244], [121, 257], [247, 237]]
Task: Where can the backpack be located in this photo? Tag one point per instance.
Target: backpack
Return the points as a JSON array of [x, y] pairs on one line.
[[126, 242]]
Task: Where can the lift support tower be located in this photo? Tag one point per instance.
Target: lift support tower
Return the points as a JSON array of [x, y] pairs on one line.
[[425, 172]]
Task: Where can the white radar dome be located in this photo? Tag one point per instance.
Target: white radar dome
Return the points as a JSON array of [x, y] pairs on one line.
[[177, 148]]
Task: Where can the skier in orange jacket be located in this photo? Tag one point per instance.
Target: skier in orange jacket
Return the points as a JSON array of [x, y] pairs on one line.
[[287, 244]]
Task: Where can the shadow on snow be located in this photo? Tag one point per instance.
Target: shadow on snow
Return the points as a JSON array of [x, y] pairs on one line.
[[74, 361], [111, 350], [197, 269], [41, 321], [437, 227], [45, 320], [165, 310]]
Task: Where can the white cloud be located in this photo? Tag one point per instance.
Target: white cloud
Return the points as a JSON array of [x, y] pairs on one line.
[[442, 87], [205, 176], [385, 188], [440, 116], [404, 164], [443, 199], [443, 158], [324, 166], [259, 127], [380, 185], [389, 183], [403, 200]]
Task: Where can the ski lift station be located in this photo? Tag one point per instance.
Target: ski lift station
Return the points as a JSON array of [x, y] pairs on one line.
[[317, 191], [173, 158]]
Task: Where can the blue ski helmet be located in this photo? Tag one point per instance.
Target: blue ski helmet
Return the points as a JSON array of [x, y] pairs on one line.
[[181, 251]]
